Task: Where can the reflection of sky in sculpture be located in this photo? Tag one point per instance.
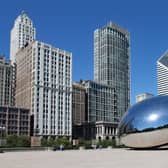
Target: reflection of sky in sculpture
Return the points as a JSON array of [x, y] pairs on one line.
[[146, 115]]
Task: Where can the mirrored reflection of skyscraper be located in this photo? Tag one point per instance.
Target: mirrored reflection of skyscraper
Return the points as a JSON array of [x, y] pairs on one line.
[[162, 74], [112, 62]]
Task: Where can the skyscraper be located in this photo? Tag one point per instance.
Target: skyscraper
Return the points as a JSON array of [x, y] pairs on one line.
[[112, 62], [101, 118], [101, 109], [7, 83], [162, 74], [22, 34], [44, 85]]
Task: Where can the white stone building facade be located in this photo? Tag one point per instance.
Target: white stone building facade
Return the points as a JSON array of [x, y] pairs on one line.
[[22, 33], [44, 84]]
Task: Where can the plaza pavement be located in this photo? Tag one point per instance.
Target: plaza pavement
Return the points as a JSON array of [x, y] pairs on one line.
[[98, 158]]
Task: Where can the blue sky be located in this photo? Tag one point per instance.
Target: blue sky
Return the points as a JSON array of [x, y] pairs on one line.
[[70, 24]]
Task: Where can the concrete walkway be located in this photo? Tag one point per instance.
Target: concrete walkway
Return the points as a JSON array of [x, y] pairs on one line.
[[101, 158]]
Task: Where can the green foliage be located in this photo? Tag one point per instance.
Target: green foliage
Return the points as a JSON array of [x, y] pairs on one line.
[[65, 142], [68, 145], [51, 142], [86, 143], [106, 143], [17, 141], [81, 142], [114, 144], [11, 141], [23, 141], [44, 142], [56, 142]]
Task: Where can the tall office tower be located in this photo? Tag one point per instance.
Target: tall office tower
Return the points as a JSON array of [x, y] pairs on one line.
[[112, 62], [7, 83], [44, 85], [22, 34], [162, 74]]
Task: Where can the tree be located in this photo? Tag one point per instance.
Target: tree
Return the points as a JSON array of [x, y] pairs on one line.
[[23, 141], [50, 142], [105, 143], [17, 141], [11, 141], [56, 142], [64, 141], [86, 143], [44, 142]]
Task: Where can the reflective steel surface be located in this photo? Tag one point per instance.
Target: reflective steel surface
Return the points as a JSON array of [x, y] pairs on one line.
[[145, 124]]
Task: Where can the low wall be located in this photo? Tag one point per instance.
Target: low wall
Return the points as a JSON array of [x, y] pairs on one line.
[[25, 149]]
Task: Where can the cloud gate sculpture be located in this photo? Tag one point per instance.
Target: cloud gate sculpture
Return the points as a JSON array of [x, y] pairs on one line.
[[145, 125]]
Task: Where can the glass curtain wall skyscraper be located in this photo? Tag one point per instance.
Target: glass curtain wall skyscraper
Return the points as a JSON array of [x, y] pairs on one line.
[[112, 62]]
